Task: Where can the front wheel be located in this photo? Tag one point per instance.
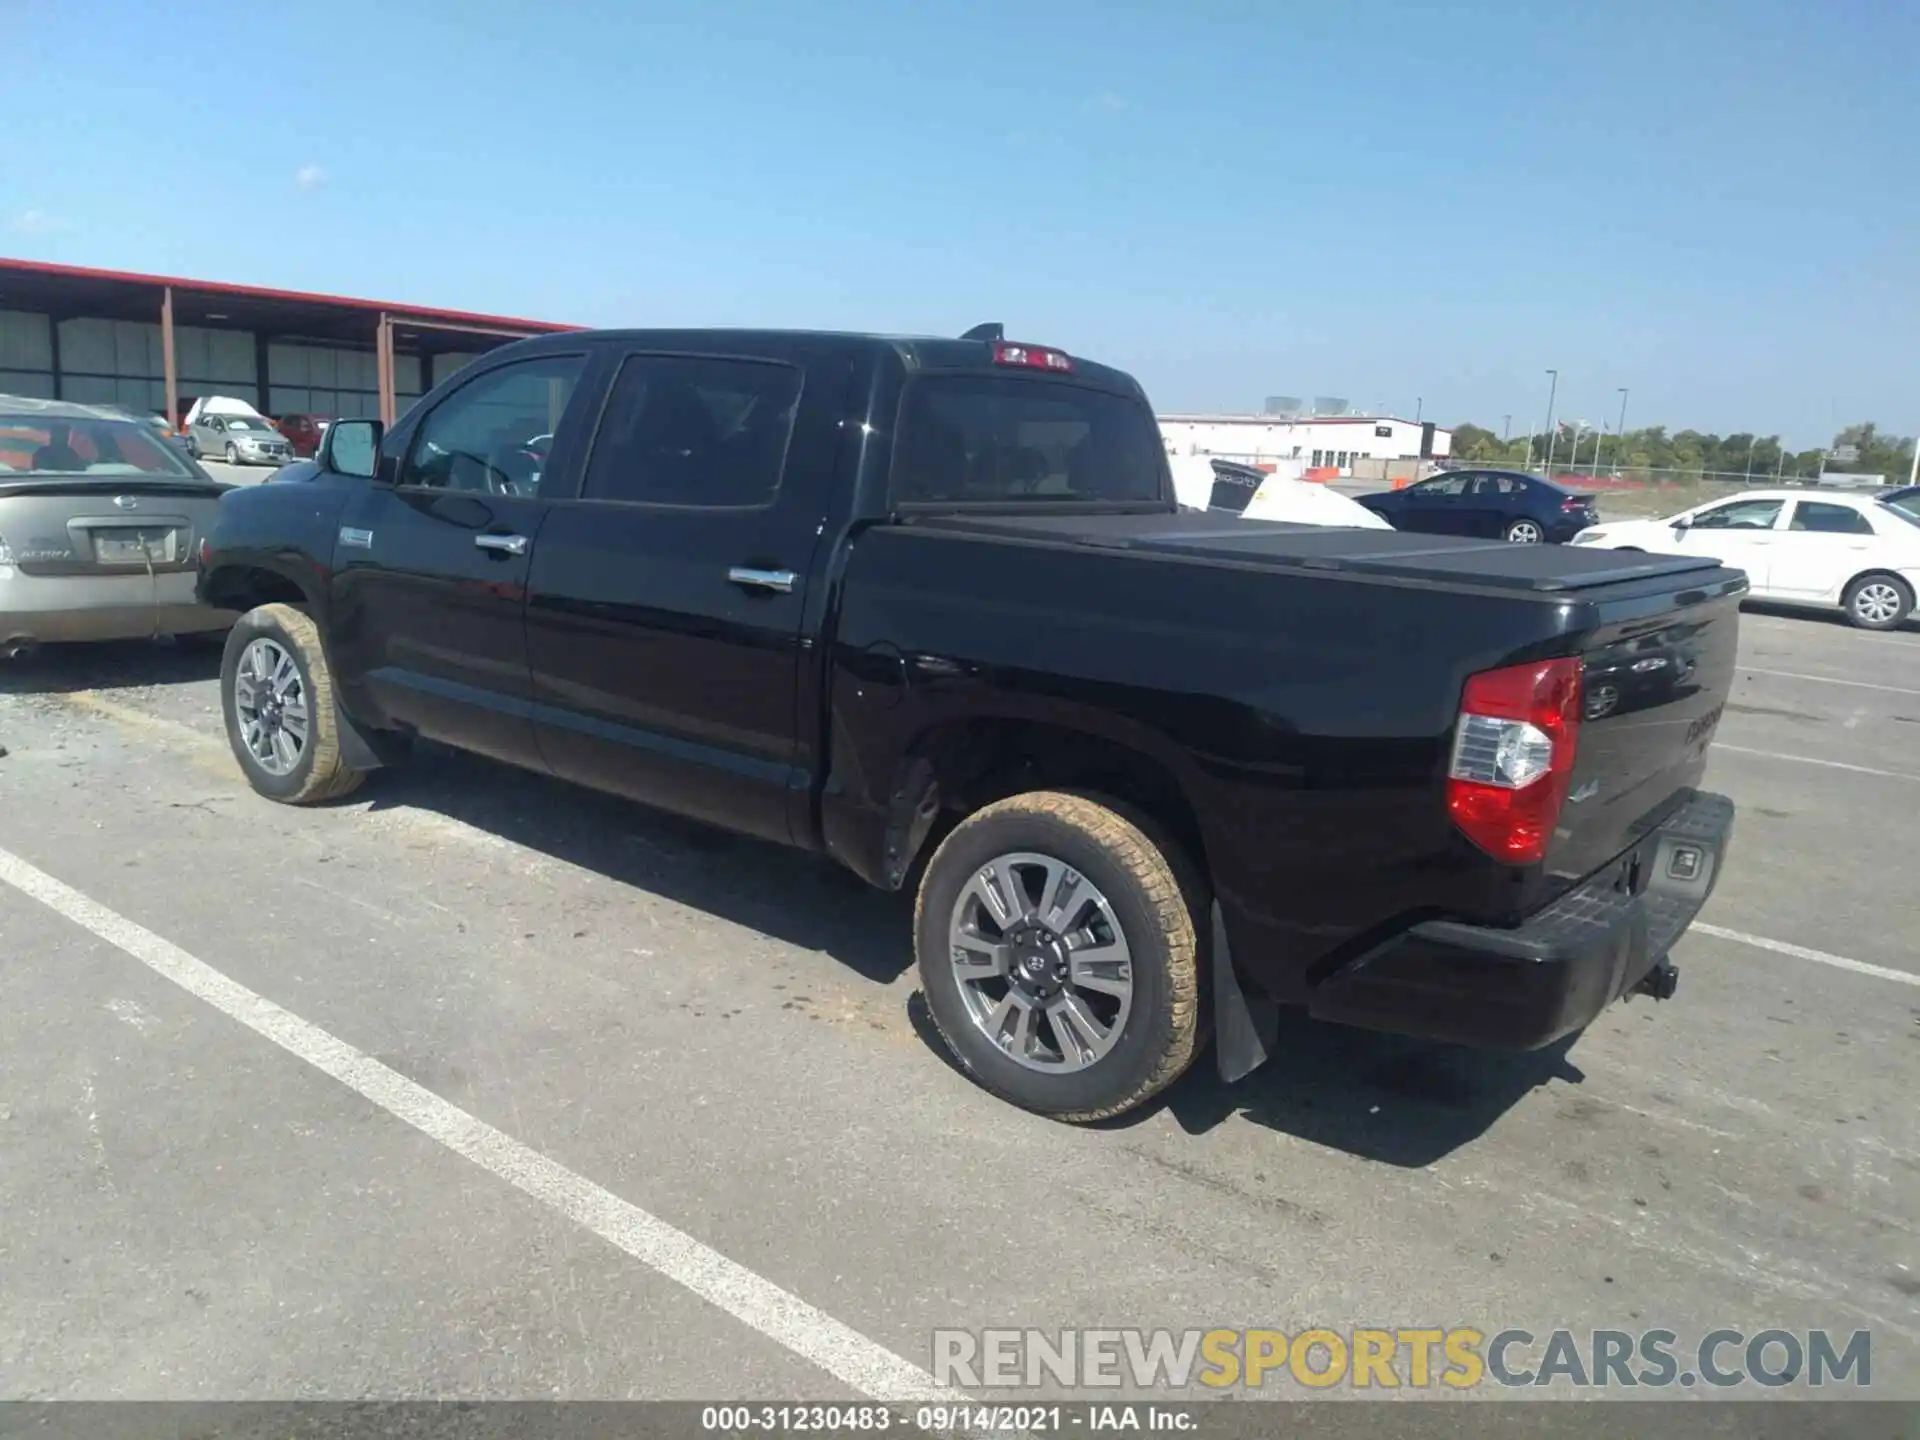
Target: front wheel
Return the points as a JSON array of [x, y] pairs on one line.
[[276, 692], [1524, 532], [1059, 952], [1878, 602], [233, 454]]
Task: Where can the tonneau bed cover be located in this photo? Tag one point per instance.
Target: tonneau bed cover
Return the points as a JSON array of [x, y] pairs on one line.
[[1381, 554]]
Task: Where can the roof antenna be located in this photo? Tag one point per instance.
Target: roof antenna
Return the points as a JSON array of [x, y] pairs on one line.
[[986, 332]]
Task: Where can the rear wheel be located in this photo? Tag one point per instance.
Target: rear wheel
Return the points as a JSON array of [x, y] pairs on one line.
[[1059, 952], [1524, 532], [1878, 602], [277, 694]]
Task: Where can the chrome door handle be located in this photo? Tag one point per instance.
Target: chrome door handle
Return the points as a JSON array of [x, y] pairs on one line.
[[780, 580], [502, 544]]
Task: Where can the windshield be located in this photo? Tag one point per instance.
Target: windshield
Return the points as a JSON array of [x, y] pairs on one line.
[[33, 445], [245, 422], [994, 439]]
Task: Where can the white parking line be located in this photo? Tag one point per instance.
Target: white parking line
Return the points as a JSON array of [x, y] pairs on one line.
[[1802, 952], [1829, 680], [811, 1334], [1810, 760]]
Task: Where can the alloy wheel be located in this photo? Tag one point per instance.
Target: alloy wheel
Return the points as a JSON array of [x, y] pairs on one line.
[[1041, 962], [270, 701]]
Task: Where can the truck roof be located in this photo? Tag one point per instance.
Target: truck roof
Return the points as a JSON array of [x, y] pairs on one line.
[[916, 352]]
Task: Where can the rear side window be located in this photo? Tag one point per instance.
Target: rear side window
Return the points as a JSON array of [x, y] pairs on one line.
[[1830, 519], [694, 430], [974, 440]]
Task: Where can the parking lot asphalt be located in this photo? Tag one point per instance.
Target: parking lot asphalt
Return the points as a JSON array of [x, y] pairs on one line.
[[731, 1163]]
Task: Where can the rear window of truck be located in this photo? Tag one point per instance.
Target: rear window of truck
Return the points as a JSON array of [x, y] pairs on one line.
[[987, 440]]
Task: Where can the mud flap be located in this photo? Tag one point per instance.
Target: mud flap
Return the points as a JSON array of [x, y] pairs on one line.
[[1245, 1027]]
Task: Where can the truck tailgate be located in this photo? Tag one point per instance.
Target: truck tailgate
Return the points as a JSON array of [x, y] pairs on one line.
[[1655, 685]]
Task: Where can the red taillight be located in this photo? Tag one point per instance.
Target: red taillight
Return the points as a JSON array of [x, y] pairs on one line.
[[1513, 757], [206, 552], [1031, 357]]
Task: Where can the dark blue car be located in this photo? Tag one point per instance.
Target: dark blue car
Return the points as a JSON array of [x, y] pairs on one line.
[[1492, 504]]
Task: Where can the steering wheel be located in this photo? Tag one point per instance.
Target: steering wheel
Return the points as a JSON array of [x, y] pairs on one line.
[[514, 468]]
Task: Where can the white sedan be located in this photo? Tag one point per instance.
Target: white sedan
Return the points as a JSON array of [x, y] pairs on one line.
[[1823, 549]]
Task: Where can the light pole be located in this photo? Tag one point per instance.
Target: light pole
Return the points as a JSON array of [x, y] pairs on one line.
[[1506, 429], [1913, 470], [1752, 440], [1419, 408], [1553, 391], [1598, 436], [1620, 427]]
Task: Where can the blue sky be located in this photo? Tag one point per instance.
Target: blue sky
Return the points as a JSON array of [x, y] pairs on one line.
[[1713, 202]]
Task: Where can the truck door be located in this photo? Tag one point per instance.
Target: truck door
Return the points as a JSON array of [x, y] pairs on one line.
[[431, 569], [665, 602]]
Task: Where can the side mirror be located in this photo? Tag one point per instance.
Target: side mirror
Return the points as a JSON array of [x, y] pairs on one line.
[[352, 447], [1683, 523]]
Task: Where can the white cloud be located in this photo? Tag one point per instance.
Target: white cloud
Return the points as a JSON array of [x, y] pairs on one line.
[[309, 177], [34, 222]]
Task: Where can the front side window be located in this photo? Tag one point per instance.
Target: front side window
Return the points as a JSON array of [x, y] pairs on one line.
[[1442, 485], [493, 435], [966, 439], [694, 430], [1740, 515]]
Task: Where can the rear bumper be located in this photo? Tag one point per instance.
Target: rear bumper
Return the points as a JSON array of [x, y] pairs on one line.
[[52, 609], [1526, 987]]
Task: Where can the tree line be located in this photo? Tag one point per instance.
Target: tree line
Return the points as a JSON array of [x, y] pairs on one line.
[[1692, 453]]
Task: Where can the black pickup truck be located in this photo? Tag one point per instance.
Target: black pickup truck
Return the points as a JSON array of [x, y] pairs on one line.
[[929, 606]]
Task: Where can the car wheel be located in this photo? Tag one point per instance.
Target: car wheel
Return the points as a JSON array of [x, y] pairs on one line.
[[193, 450], [1059, 951], [1524, 532], [1878, 602], [277, 695], [233, 453]]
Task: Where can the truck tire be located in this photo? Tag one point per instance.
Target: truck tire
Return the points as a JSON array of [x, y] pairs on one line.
[[276, 693], [1060, 955], [1878, 602]]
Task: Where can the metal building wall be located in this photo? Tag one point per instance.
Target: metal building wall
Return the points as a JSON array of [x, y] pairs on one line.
[[334, 381], [26, 354]]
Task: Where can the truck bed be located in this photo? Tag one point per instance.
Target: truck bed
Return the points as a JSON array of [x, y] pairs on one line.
[[1656, 634]]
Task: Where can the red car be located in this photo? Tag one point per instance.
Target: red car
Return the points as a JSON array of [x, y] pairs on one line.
[[303, 432]]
